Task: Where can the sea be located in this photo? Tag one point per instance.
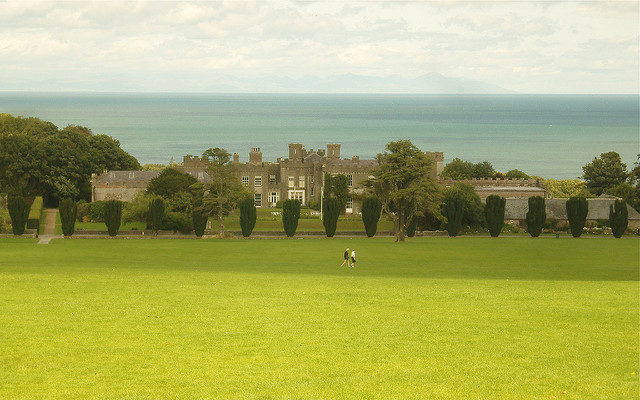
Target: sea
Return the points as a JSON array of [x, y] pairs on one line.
[[551, 136]]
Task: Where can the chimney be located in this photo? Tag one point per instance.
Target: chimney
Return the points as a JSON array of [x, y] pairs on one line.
[[355, 159], [295, 152], [255, 156], [236, 158], [333, 151]]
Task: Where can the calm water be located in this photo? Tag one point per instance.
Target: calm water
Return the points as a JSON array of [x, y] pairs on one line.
[[551, 136]]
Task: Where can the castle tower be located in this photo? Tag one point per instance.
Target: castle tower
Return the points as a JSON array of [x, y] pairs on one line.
[[236, 158], [295, 152], [333, 151], [255, 156]]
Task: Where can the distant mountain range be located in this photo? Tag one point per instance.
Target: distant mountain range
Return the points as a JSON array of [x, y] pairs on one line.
[[432, 83]]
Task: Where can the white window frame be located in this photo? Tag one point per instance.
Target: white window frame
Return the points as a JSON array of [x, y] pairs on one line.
[[257, 199], [292, 181], [349, 205], [257, 181], [301, 181], [274, 197], [297, 194], [272, 179], [349, 180], [310, 179], [245, 180], [311, 191]]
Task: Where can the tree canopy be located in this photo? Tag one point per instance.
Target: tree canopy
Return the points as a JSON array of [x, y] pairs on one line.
[[604, 172], [170, 182], [459, 169], [37, 158]]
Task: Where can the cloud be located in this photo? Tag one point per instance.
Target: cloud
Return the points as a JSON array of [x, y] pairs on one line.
[[564, 47]]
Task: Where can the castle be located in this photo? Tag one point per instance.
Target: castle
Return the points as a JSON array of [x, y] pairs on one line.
[[300, 176]]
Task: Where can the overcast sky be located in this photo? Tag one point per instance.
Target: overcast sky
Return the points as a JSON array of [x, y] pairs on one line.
[[528, 47]]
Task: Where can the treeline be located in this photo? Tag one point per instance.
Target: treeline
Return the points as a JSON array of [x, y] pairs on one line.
[[39, 159]]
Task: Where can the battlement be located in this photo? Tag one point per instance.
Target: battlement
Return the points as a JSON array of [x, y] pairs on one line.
[[493, 182]]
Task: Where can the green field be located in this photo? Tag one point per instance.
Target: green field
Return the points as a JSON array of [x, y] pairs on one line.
[[436, 318]]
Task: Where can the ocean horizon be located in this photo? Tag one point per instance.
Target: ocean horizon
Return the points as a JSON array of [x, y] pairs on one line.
[[551, 136]]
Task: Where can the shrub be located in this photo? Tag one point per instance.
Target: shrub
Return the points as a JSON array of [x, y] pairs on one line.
[[330, 213], [18, 211], [577, 209], [247, 216], [199, 218], [96, 211], [169, 182], [494, 214], [4, 225], [411, 228], [454, 211], [177, 222], [472, 207], [35, 213], [290, 215], [536, 215], [618, 218], [314, 205], [112, 216], [156, 212], [84, 209], [68, 215], [371, 208]]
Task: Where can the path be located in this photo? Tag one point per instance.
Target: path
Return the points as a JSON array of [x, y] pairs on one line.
[[49, 230]]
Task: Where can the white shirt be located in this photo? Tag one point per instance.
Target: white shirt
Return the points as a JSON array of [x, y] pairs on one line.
[[353, 254]]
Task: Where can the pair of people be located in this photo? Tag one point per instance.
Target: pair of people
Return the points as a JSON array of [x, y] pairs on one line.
[[350, 259]]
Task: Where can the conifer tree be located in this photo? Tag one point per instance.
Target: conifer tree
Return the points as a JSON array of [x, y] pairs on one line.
[[371, 209], [453, 209], [113, 216], [494, 214], [247, 216], [330, 213], [156, 212], [68, 214], [618, 218], [577, 210], [19, 213], [199, 217], [290, 216], [536, 215]]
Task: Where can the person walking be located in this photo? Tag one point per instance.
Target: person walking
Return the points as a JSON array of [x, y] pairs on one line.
[[346, 258], [353, 258]]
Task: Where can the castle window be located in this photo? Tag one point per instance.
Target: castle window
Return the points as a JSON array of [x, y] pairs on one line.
[[274, 197], [257, 181], [272, 179], [349, 207], [311, 191], [131, 175], [257, 199], [311, 180], [200, 175], [292, 181], [301, 181], [245, 181], [350, 180]]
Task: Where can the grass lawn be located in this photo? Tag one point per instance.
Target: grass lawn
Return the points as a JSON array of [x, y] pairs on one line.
[[436, 318]]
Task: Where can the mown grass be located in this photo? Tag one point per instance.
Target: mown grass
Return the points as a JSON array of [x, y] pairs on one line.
[[438, 318]]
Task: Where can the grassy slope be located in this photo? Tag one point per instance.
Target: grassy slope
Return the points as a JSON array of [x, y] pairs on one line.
[[431, 318]]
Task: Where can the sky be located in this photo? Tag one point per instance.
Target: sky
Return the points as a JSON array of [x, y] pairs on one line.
[[151, 46]]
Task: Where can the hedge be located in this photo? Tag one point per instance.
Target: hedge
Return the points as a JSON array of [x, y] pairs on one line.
[[68, 213], [18, 211], [35, 213]]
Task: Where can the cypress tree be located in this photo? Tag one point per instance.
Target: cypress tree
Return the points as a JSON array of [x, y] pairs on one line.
[[577, 209], [411, 228], [454, 211], [68, 214], [156, 212], [19, 213], [330, 213], [290, 215], [199, 218], [618, 218], [494, 214], [112, 216], [536, 215], [247, 216], [371, 208]]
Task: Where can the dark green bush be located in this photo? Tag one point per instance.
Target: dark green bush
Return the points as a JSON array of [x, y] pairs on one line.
[[112, 216], [472, 207], [290, 216], [536, 216], [35, 213], [247, 216], [454, 211], [618, 218], [18, 211], [371, 208], [96, 211], [494, 214], [330, 213], [156, 212], [176, 222], [84, 210], [199, 218], [68, 214], [577, 210]]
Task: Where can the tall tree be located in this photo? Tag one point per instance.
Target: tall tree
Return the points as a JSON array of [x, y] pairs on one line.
[[290, 216], [371, 209], [577, 210], [536, 215], [156, 212], [247, 216], [336, 186], [454, 211], [618, 218], [225, 189], [494, 214], [330, 213], [18, 212], [113, 216], [68, 213], [170, 182], [472, 207], [403, 184], [604, 172]]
